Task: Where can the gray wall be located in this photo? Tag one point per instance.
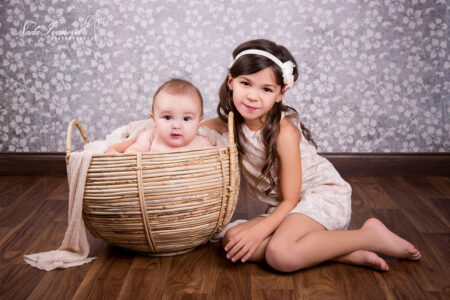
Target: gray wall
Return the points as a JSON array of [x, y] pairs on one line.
[[374, 74]]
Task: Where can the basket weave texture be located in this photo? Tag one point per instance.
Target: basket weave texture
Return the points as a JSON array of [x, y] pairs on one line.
[[160, 204]]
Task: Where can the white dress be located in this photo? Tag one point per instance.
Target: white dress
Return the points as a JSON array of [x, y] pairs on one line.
[[325, 196]]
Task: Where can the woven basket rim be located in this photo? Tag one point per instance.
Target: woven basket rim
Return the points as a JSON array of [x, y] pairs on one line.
[[156, 154]]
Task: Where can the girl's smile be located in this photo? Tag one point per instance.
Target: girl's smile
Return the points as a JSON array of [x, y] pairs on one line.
[[250, 108]]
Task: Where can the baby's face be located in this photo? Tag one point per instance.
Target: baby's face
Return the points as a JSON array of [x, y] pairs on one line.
[[177, 118]]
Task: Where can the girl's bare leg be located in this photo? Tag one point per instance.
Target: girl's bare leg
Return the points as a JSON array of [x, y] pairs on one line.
[[310, 244], [359, 257]]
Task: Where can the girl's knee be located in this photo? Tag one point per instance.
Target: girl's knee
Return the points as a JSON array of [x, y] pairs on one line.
[[278, 256]]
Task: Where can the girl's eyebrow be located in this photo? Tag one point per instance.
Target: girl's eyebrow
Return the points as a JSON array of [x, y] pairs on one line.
[[266, 84]]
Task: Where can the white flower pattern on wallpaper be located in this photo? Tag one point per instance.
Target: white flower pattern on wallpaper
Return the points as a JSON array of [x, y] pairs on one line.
[[374, 74]]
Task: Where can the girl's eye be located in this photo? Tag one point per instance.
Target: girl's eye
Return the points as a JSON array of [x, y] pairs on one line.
[[267, 90], [187, 119], [245, 83]]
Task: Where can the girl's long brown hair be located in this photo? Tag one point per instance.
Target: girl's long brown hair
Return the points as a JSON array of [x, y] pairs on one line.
[[249, 64]]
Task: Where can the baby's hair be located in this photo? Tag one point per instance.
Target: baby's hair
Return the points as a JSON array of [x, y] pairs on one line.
[[177, 86], [249, 64]]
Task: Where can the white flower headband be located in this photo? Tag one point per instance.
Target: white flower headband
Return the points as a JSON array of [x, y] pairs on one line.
[[287, 67]]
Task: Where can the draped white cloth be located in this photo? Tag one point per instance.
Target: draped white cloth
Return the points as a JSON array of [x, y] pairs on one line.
[[74, 249]]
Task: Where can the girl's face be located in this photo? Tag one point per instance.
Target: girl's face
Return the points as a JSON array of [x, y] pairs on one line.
[[254, 95]]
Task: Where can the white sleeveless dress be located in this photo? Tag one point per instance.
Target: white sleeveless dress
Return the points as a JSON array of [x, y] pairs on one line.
[[325, 196]]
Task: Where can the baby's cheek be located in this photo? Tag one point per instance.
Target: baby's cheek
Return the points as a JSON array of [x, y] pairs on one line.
[[191, 132]]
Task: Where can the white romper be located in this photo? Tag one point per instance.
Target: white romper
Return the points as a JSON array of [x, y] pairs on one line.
[[325, 196]]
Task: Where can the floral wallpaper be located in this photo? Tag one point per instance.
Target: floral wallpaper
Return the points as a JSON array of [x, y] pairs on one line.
[[374, 74]]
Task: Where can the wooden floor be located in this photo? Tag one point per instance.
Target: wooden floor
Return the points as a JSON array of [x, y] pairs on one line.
[[33, 213]]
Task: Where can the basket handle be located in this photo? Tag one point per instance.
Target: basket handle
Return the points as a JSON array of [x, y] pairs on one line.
[[230, 128], [69, 137]]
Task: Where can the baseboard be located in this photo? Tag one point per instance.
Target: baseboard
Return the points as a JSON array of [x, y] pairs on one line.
[[348, 164], [33, 164], [390, 164]]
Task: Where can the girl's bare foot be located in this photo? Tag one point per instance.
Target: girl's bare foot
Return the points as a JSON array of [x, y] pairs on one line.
[[364, 258], [389, 243]]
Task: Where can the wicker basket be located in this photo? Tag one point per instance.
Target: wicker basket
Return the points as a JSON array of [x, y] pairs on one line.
[[160, 204]]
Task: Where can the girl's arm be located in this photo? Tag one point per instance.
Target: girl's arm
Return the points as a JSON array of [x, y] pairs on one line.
[[244, 243]]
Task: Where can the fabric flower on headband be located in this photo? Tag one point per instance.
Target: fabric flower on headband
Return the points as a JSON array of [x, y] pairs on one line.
[[288, 73]]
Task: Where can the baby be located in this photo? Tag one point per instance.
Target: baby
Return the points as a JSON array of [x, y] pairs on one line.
[[177, 111]]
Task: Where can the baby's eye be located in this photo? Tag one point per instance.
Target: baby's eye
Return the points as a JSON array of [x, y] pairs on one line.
[[167, 117], [187, 119]]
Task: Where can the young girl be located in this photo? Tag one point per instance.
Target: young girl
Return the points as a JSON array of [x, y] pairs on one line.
[[309, 204]]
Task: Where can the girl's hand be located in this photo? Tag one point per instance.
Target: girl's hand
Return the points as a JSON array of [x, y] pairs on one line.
[[244, 243]]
